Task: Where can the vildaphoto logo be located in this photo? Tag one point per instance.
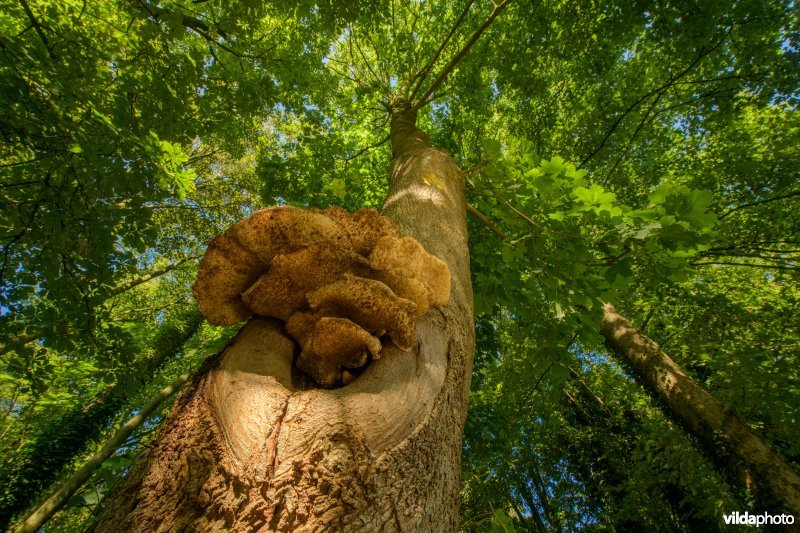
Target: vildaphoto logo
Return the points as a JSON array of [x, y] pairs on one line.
[[758, 520]]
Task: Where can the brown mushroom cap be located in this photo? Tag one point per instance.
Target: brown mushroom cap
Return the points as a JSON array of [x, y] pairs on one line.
[[339, 280], [343, 342], [405, 287], [365, 227], [406, 257], [235, 259], [281, 291], [370, 304]]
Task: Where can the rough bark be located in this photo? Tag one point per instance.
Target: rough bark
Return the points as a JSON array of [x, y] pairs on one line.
[[249, 447], [738, 450], [40, 463]]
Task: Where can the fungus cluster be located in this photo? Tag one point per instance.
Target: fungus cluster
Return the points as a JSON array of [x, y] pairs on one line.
[[342, 283]]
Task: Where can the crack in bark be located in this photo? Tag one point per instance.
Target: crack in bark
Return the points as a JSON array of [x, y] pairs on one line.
[[276, 434]]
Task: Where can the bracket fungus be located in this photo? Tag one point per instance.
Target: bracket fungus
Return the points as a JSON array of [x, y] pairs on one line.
[[342, 282]]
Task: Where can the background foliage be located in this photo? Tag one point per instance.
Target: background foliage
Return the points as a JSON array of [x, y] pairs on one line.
[[641, 153]]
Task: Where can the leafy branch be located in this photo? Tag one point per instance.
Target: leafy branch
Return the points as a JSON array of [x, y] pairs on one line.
[[498, 8], [38, 28], [419, 78]]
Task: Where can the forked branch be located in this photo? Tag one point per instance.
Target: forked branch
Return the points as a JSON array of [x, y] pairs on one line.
[[498, 8], [420, 77]]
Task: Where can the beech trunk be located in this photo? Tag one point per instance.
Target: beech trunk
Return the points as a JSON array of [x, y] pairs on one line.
[[246, 448], [739, 451]]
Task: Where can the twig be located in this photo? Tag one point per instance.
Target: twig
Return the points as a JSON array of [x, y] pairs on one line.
[[486, 222], [498, 8]]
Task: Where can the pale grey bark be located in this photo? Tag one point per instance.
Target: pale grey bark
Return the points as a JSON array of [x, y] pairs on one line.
[[735, 447]]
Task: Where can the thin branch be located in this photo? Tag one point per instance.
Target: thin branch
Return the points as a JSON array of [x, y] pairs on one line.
[[526, 218], [666, 85], [752, 265], [193, 23], [144, 278], [433, 97], [498, 8], [343, 75], [18, 163], [38, 28], [609, 261], [646, 321], [29, 335], [381, 65], [367, 148], [200, 27], [486, 222], [642, 122], [198, 157], [375, 76], [472, 169], [759, 202], [422, 75]]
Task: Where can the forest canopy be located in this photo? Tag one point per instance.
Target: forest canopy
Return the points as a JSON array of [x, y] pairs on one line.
[[641, 153]]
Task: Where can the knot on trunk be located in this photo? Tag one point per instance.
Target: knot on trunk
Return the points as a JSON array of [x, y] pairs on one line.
[[342, 282]]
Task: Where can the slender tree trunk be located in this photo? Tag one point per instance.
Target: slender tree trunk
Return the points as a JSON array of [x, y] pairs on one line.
[[144, 278], [246, 448], [525, 493], [605, 477], [40, 463], [736, 448], [41, 513]]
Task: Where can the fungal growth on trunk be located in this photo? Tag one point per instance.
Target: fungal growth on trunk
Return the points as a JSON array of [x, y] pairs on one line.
[[343, 283]]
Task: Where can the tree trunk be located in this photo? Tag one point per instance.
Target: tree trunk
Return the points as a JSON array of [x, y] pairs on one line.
[[42, 461], [734, 446], [247, 448]]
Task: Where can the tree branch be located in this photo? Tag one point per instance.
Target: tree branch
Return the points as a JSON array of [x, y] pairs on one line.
[[135, 282], [29, 335], [38, 28], [759, 202], [666, 85], [422, 75], [498, 8], [751, 265], [383, 141], [193, 23], [472, 169], [486, 222]]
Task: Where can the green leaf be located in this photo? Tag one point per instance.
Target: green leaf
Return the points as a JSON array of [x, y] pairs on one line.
[[501, 523], [491, 149], [338, 188]]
